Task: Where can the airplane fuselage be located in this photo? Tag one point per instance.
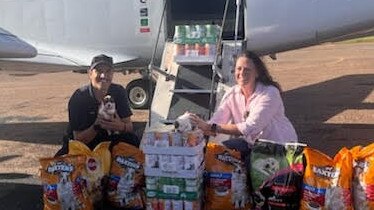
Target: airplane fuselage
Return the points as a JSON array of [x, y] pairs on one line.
[[127, 29]]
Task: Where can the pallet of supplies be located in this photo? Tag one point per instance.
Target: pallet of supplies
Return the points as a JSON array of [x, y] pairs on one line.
[[174, 169], [195, 44]]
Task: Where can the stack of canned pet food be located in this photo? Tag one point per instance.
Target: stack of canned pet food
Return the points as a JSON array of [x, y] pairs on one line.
[[195, 41], [174, 170]]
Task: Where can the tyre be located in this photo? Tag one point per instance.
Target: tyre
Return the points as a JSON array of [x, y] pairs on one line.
[[138, 93]]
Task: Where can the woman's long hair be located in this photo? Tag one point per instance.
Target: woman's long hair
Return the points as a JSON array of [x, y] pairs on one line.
[[263, 73]]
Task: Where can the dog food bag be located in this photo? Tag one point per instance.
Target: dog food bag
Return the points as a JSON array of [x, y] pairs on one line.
[[327, 182], [363, 177], [266, 159], [226, 179], [96, 167], [126, 179], [282, 189], [63, 185]]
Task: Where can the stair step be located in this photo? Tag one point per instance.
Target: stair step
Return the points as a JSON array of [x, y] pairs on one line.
[[190, 91]]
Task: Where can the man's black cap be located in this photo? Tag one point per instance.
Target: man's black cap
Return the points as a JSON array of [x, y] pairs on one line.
[[101, 59]]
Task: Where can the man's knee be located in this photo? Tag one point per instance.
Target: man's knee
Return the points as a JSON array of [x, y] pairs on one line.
[[129, 138]]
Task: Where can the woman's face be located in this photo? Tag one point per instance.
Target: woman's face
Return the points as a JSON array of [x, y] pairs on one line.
[[245, 71]]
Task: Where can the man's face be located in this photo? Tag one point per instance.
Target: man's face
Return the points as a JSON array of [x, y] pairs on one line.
[[101, 77]]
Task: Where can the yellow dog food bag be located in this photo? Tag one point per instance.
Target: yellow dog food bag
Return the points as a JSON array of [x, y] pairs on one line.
[[327, 181], [226, 184], [97, 165], [63, 185], [363, 177], [126, 178]]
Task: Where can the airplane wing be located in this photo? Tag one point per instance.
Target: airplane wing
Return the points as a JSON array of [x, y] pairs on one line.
[[13, 47], [60, 55]]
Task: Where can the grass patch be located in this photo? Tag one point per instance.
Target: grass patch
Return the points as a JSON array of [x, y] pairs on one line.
[[360, 40]]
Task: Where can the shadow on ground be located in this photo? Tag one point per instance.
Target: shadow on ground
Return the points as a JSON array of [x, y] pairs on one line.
[[44, 132], [14, 196], [309, 108]]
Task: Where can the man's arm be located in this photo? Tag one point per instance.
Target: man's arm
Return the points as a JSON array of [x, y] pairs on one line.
[[128, 126], [85, 136], [77, 110]]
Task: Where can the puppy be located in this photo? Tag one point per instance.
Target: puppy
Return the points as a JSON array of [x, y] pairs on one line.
[[107, 109], [183, 123]]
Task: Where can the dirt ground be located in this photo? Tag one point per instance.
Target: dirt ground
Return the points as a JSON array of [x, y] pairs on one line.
[[328, 95]]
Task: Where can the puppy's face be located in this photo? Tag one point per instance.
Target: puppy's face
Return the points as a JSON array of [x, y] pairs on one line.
[[183, 123], [108, 103], [271, 165], [238, 170]]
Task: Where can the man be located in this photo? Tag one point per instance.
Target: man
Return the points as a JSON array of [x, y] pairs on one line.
[[85, 124]]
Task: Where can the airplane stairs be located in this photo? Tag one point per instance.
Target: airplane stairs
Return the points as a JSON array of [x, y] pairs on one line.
[[186, 86]]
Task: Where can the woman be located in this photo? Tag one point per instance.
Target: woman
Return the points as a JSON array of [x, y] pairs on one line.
[[252, 109]]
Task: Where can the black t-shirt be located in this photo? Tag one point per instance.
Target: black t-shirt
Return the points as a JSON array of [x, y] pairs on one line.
[[83, 108]]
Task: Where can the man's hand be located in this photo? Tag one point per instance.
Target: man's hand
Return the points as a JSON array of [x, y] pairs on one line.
[[115, 124]]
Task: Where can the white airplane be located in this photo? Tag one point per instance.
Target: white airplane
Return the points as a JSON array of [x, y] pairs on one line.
[[71, 32]]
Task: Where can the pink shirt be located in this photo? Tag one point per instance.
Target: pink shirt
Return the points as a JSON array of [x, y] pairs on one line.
[[266, 118]]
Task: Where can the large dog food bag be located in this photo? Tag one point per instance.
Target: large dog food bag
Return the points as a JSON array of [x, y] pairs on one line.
[[363, 177], [276, 172], [126, 179], [327, 182], [63, 184], [96, 167], [226, 179]]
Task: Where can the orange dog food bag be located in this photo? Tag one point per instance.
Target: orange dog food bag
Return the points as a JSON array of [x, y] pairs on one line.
[[126, 178], [327, 181], [97, 166], [226, 179], [363, 177], [63, 185]]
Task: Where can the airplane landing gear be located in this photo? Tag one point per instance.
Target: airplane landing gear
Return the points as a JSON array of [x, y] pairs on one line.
[[138, 93]]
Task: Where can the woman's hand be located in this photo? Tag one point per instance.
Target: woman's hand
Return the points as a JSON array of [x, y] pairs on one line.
[[200, 123]]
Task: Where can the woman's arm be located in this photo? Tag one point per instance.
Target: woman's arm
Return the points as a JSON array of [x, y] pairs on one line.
[[212, 128]]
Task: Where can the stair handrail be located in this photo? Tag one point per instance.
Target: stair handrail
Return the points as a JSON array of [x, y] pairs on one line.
[[151, 64], [216, 60]]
